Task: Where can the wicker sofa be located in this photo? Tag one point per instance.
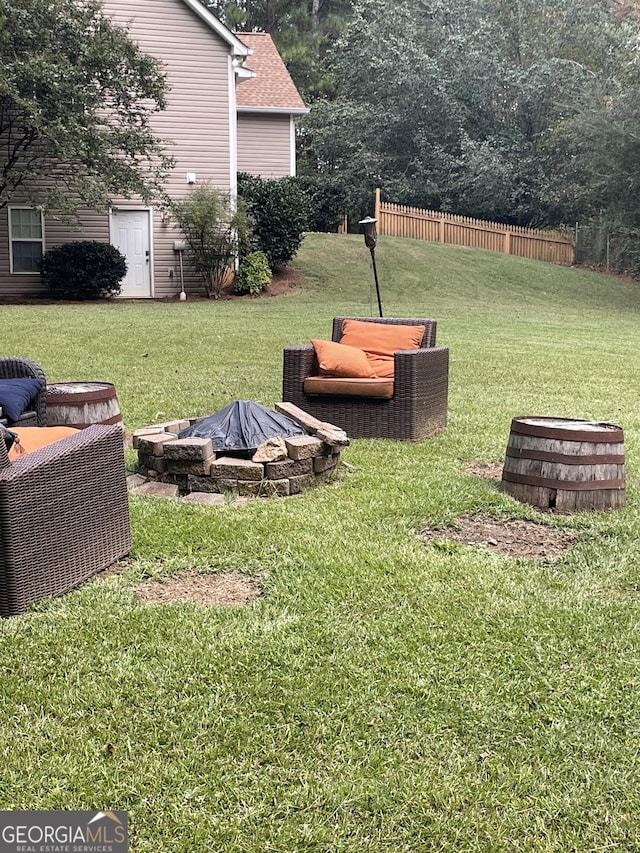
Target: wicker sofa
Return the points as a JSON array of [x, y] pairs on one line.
[[64, 515], [418, 407], [24, 368]]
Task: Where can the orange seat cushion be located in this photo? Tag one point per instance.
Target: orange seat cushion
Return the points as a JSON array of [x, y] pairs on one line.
[[349, 387], [379, 341], [33, 438], [341, 360]]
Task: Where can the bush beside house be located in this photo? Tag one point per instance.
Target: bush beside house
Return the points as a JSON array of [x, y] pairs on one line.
[[254, 273], [215, 234], [279, 213], [83, 269], [328, 201]]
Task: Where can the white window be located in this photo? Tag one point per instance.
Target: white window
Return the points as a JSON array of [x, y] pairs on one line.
[[26, 238]]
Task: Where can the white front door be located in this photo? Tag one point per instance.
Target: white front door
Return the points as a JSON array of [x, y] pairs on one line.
[[130, 234]]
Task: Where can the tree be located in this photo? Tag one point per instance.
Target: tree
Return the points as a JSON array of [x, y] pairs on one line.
[[266, 15], [467, 106], [302, 31], [393, 106], [214, 232], [77, 98]]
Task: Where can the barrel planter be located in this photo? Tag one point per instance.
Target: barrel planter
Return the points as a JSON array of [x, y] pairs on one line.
[[564, 464], [80, 404]]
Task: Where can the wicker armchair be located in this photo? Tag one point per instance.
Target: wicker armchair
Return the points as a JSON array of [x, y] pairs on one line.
[[24, 368], [64, 515], [417, 409]]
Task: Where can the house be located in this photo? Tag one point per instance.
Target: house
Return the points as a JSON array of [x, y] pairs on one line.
[[268, 105], [215, 128]]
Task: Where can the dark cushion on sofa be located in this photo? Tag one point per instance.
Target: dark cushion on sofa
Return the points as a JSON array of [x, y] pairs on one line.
[[17, 394]]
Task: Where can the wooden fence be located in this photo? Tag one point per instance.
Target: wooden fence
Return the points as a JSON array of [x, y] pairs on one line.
[[396, 220]]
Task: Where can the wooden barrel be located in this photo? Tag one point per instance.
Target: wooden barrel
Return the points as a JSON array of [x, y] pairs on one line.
[[80, 404], [565, 464]]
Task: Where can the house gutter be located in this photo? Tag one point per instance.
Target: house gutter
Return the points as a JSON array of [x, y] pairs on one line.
[[292, 111]]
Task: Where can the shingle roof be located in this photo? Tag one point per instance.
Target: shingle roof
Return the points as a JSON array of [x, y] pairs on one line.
[[272, 88]]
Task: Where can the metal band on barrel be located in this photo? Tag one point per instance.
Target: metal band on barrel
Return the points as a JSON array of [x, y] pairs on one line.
[[604, 436], [564, 458], [563, 485]]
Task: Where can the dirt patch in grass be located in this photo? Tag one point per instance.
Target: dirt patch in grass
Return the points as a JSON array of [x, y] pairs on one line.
[[513, 537], [489, 470], [223, 590]]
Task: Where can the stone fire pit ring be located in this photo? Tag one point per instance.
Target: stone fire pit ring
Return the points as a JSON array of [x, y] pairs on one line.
[[277, 468]]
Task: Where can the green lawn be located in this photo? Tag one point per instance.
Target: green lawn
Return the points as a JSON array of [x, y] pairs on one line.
[[385, 694]]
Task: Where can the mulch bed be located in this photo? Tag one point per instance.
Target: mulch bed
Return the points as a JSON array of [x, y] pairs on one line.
[[284, 280]]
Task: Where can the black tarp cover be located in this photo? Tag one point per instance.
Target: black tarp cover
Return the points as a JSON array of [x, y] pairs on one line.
[[242, 425]]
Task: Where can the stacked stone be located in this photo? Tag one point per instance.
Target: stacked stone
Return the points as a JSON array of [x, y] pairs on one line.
[[192, 465]]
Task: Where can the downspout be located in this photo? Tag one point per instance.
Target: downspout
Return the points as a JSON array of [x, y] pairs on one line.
[[292, 146], [233, 132]]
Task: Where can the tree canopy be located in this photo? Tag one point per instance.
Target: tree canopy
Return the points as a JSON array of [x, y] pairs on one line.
[[302, 30], [77, 98], [503, 109]]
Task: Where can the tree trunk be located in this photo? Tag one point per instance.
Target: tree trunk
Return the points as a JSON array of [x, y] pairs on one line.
[[270, 16], [315, 15]]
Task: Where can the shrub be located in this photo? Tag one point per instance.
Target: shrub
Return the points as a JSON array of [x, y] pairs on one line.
[[279, 212], [254, 273], [328, 201], [84, 269], [214, 232]]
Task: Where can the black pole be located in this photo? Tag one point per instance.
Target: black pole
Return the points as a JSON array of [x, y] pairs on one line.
[[368, 226], [375, 275]]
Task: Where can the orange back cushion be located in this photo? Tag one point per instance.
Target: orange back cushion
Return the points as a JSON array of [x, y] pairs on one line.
[[342, 360], [380, 340]]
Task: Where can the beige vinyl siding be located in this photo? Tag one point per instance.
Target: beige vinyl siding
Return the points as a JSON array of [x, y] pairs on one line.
[[16, 283], [96, 226], [196, 119], [195, 125], [264, 144], [196, 63], [93, 226]]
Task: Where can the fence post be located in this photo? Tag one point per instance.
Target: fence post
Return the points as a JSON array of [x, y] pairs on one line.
[[441, 229], [507, 242], [377, 207]]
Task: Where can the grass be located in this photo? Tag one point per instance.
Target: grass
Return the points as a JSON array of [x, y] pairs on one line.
[[385, 694]]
